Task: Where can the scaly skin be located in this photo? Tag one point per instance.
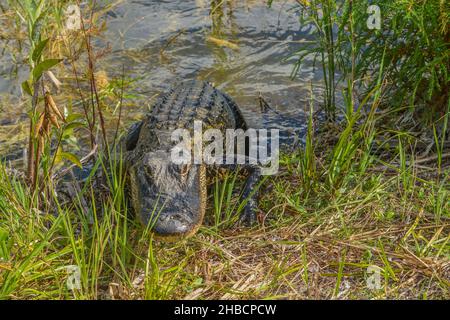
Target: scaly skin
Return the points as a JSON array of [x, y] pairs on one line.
[[172, 198]]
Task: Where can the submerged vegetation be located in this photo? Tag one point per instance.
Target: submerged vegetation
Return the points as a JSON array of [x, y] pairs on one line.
[[367, 196]]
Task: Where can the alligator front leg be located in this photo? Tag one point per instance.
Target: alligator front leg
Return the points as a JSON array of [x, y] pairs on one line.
[[250, 194], [251, 191]]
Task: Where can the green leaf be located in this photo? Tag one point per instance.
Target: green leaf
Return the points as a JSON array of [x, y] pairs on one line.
[[5, 244], [3, 234], [37, 27], [69, 127], [74, 116], [72, 158], [37, 52], [44, 66], [26, 88]]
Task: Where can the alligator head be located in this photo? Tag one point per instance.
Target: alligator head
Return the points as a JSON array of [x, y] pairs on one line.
[[167, 197]]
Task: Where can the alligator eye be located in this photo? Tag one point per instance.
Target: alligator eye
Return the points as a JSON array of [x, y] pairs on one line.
[[148, 173]]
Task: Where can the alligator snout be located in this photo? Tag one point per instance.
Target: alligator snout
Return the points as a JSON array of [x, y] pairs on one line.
[[171, 216], [174, 225]]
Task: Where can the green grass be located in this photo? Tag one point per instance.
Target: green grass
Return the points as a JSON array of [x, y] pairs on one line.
[[412, 46], [316, 241]]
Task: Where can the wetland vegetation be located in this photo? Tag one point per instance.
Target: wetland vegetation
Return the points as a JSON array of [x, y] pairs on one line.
[[362, 195]]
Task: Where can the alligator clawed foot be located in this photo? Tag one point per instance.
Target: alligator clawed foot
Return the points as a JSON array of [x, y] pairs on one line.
[[248, 216]]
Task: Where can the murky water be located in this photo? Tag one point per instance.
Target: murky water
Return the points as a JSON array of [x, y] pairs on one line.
[[158, 42]]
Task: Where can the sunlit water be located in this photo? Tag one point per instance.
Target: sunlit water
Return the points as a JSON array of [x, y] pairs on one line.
[[266, 38], [159, 42]]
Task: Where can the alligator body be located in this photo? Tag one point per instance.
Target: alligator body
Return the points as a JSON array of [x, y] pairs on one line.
[[171, 198]]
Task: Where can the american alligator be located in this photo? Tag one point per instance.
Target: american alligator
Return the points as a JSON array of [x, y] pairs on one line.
[[168, 197]]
